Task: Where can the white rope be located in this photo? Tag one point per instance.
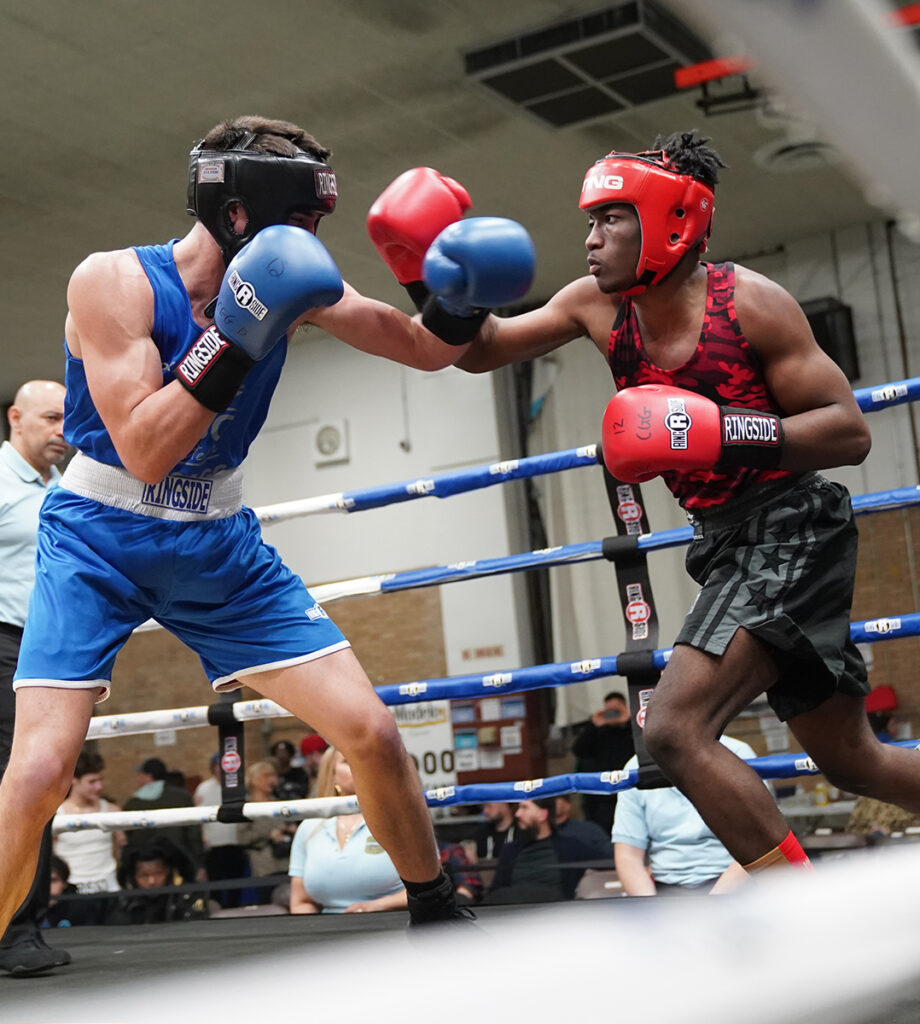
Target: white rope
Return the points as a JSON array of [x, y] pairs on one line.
[[139, 722], [301, 507], [326, 592], [289, 810]]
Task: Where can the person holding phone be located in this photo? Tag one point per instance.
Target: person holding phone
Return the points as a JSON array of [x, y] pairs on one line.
[[604, 743]]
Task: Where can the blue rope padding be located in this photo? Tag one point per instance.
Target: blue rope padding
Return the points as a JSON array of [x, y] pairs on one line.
[[896, 393], [878, 501], [566, 673], [444, 485], [774, 766], [871, 631], [591, 551], [585, 552]]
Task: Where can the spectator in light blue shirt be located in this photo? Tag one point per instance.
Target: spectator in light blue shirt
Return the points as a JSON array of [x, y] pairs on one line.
[[661, 846], [28, 467], [337, 867]]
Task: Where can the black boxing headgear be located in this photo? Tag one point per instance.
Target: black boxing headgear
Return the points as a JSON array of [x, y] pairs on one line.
[[674, 209], [269, 188]]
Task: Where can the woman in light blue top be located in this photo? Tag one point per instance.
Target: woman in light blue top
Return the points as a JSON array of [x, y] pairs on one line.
[[337, 867]]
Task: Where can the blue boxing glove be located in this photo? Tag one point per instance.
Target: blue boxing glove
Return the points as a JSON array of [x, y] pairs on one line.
[[271, 282], [472, 266]]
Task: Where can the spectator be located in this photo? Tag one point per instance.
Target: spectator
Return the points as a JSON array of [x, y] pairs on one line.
[[91, 854], [175, 779], [312, 748], [662, 827], [586, 832], [147, 872], [604, 743], [224, 858], [462, 872], [337, 867], [28, 469], [62, 911], [495, 830], [267, 843], [155, 793], [293, 781], [539, 864]]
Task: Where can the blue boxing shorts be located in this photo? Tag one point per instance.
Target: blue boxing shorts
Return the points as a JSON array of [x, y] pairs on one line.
[[102, 571]]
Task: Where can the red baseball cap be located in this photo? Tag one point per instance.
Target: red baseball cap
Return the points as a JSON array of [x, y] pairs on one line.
[[314, 744], [882, 698]]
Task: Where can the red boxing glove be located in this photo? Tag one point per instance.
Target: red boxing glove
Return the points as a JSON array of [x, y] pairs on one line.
[[653, 428], [409, 214]]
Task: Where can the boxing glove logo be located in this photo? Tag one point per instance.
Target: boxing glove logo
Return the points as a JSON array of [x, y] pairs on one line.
[[678, 423], [245, 296]]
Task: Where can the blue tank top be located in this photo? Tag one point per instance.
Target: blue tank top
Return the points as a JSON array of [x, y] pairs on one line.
[[230, 434]]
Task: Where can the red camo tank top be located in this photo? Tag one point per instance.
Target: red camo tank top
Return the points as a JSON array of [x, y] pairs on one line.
[[723, 367]]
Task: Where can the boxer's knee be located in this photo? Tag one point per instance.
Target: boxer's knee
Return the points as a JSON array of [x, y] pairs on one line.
[[374, 740], [36, 780], [662, 738]]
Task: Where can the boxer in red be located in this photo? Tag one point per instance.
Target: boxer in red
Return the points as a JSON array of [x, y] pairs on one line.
[[724, 392]]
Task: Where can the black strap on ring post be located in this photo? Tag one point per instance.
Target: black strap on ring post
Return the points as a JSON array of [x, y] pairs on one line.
[[232, 761], [641, 618]]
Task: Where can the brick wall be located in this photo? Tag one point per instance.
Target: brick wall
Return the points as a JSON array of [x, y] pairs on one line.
[[398, 637], [887, 585]]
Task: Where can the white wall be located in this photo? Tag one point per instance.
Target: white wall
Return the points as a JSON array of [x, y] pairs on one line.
[[448, 420]]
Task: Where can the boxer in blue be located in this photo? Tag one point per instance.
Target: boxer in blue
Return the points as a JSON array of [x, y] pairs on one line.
[[166, 388]]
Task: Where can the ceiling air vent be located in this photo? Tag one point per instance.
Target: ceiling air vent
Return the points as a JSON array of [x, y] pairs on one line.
[[596, 64], [788, 155]]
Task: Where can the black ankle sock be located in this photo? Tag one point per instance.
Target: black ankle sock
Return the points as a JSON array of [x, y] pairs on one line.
[[418, 888]]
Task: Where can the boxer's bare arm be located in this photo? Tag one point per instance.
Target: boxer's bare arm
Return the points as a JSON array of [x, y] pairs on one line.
[[109, 320], [823, 425], [578, 310], [381, 330]]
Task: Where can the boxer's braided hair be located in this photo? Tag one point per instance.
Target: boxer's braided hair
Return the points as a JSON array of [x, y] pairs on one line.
[[691, 155]]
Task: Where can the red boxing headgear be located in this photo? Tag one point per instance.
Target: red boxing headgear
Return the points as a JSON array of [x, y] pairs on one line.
[[674, 209]]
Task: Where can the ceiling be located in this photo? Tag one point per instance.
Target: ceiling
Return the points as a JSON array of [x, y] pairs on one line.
[[102, 100]]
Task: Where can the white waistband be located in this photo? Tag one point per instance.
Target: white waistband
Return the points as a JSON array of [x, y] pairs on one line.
[[183, 498]]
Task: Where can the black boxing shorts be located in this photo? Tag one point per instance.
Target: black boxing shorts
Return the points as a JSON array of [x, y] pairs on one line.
[[780, 562]]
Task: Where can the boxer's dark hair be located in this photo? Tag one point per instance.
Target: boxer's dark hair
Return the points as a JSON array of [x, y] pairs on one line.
[[88, 763], [691, 155], [267, 135]]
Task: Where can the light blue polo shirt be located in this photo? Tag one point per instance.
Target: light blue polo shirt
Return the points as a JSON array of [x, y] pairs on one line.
[[335, 878], [681, 849], [22, 492]]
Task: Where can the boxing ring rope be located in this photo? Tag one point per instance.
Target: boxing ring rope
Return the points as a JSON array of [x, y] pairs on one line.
[[775, 766], [565, 554], [518, 680], [473, 686], [446, 485]]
